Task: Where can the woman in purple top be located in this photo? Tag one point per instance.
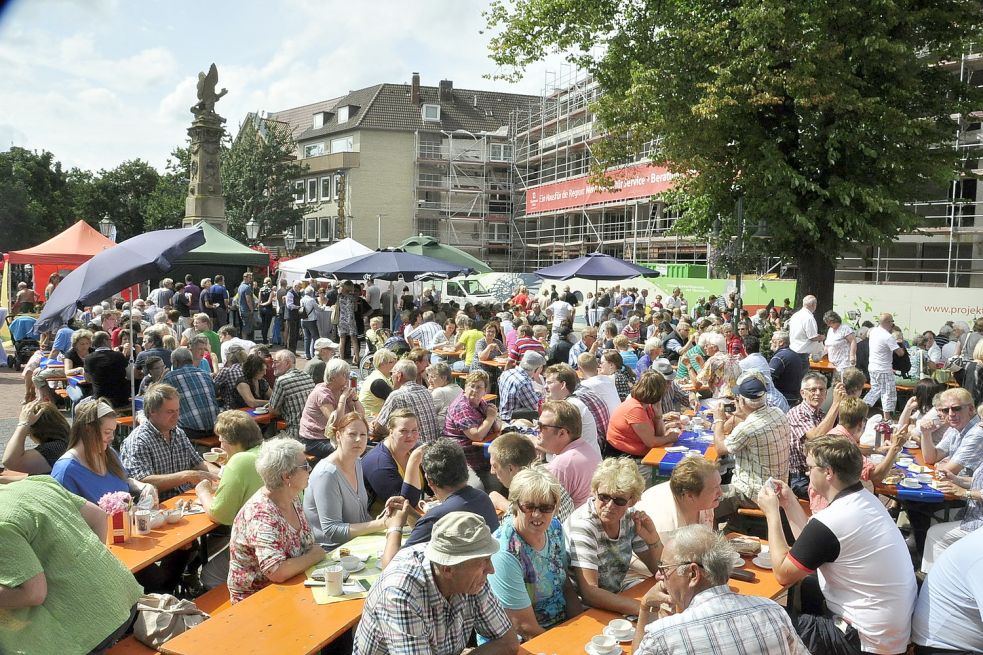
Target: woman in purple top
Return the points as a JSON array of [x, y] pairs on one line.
[[471, 421], [326, 405]]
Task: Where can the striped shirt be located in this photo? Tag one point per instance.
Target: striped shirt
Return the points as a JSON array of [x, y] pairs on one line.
[[721, 621]]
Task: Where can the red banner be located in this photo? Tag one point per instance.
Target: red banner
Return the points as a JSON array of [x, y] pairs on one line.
[[637, 181]]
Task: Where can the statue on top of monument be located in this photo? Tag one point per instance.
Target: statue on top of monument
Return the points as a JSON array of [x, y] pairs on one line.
[[206, 92]]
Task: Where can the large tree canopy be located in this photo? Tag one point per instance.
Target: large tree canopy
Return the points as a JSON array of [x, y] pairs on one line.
[[825, 116]]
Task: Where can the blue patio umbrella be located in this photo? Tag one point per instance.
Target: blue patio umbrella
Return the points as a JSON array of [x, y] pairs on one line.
[[595, 266], [388, 264], [115, 269]]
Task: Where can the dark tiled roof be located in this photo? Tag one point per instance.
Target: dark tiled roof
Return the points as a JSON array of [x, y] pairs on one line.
[[389, 107], [301, 118]]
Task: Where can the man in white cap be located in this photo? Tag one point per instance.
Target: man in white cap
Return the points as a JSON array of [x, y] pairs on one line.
[[432, 597], [324, 349]]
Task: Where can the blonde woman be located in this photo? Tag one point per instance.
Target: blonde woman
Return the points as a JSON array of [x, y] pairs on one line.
[[378, 385]]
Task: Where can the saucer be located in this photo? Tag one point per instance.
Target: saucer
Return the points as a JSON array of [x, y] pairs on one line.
[[590, 650], [738, 560], [677, 449], [761, 563], [622, 637], [260, 410], [360, 567], [911, 444], [910, 483]]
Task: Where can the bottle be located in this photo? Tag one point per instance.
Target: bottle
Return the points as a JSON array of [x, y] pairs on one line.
[[882, 433]]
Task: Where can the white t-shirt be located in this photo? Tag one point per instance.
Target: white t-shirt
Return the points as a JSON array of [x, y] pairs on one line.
[[801, 328], [603, 386], [838, 346], [864, 568], [246, 344], [561, 311], [950, 604], [882, 347], [659, 503], [588, 432]]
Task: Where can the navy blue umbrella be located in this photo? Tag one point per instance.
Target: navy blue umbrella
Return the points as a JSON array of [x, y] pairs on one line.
[[595, 266], [387, 264], [115, 269]]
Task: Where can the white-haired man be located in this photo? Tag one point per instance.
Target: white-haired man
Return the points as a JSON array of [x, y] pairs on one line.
[[803, 332]]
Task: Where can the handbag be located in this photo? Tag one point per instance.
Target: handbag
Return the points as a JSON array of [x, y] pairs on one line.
[[161, 617]]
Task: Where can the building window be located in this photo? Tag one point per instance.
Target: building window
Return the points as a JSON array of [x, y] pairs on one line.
[[326, 191], [312, 190], [338, 181], [299, 231], [327, 228], [299, 191], [311, 229], [313, 150], [343, 144], [501, 152], [431, 113]]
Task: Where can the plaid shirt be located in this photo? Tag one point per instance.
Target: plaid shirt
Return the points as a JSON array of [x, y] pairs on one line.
[[622, 383], [289, 397], [416, 398], [198, 405], [516, 391], [721, 621], [426, 333], [462, 415], [801, 419], [598, 409], [225, 386], [760, 445], [405, 613], [145, 453]]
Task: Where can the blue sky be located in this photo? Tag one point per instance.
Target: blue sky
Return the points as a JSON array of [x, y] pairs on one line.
[[98, 82]]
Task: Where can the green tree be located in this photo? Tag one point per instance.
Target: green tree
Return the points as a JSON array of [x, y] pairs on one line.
[[120, 194], [258, 172], [165, 206], [825, 116], [35, 198]]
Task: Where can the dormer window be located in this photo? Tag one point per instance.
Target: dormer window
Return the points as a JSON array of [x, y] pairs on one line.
[[346, 113], [321, 119], [431, 113]]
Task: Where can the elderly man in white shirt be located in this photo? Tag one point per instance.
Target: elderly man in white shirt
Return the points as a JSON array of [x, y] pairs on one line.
[[803, 333]]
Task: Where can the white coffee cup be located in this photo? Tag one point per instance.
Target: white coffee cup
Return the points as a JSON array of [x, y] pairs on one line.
[[141, 521], [211, 457], [333, 578], [621, 627], [603, 643]]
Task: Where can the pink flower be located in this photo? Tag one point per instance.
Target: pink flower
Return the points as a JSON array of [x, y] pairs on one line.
[[116, 501]]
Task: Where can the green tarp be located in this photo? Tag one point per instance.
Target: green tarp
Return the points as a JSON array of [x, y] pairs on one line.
[[220, 248], [431, 247]]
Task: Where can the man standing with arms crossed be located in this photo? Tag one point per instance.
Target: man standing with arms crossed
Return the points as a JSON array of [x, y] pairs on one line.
[[883, 347], [803, 332]]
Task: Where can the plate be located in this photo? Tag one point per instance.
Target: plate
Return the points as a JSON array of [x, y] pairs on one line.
[[608, 632], [911, 444], [677, 449], [908, 483], [761, 563], [738, 560], [260, 410], [361, 567]]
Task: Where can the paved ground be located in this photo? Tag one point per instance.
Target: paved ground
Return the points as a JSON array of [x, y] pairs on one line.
[[11, 395]]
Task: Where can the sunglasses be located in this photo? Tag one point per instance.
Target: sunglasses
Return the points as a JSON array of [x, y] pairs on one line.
[[617, 500], [529, 508], [954, 408]]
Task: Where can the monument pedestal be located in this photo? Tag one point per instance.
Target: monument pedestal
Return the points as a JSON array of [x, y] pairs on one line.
[[206, 201]]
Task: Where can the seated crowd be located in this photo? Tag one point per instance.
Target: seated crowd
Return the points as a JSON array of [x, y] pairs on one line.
[[500, 455]]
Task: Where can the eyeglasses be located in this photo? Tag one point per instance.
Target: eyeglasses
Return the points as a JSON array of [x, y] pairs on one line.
[[617, 500], [954, 408], [666, 569], [305, 467], [815, 389], [529, 508], [547, 425]]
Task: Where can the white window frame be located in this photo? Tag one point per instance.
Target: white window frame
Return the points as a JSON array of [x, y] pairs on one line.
[[498, 152], [430, 113], [343, 114], [311, 234], [335, 185], [314, 150], [312, 190], [327, 187], [326, 228], [299, 191], [345, 144]]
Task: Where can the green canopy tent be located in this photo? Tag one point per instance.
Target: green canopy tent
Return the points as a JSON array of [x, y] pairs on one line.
[[219, 254], [431, 247]]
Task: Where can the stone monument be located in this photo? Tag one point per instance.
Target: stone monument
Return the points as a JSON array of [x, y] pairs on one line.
[[205, 201]]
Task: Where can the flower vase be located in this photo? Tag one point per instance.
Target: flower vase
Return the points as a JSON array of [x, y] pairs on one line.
[[119, 528]]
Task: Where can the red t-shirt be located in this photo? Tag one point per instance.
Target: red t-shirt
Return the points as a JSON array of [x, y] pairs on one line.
[[620, 433]]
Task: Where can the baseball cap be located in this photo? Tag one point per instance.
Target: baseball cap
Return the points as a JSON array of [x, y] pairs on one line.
[[751, 386], [324, 342], [664, 366], [459, 537]]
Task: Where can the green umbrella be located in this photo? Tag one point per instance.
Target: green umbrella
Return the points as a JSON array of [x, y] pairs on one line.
[[431, 247]]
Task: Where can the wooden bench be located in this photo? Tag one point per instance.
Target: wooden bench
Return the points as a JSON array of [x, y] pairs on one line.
[[209, 442], [211, 602]]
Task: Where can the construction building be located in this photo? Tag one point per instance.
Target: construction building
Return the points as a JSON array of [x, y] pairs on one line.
[[558, 215], [394, 160]]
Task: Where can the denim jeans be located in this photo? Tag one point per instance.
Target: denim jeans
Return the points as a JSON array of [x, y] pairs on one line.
[[310, 336]]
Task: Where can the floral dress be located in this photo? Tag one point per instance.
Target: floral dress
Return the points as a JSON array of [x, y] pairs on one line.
[[720, 373], [346, 315], [261, 539], [543, 572]]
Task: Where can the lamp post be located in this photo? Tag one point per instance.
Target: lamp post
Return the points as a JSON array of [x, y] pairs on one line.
[[106, 227], [289, 241], [252, 230], [760, 233]]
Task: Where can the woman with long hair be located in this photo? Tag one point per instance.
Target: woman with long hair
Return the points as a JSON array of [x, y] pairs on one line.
[[252, 387], [48, 429]]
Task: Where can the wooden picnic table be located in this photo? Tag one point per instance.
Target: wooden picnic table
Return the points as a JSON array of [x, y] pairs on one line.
[[655, 455], [140, 551], [498, 362], [823, 366], [451, 354], [572, 635], [892, 489]]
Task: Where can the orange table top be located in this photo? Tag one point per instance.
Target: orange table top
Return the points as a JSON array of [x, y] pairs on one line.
[[143, 550], [498, 362], [281, 618], [445, 352], [822, 365], [655, 455], [575, 633], [261, 419]]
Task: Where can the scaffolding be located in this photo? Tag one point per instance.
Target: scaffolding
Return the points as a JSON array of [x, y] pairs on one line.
[[463, 191]]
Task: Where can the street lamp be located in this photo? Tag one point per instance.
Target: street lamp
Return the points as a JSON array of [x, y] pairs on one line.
[[106, 227], [760, 233], [289, 241], [252, 229]]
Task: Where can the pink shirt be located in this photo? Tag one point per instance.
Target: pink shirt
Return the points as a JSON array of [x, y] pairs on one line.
[[817, 502], [574, 467]]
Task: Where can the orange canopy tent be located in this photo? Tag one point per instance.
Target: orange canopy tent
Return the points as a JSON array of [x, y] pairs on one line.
[[62, 252]]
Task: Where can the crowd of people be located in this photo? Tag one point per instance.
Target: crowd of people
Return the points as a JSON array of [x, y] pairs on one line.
[[510, 445]]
